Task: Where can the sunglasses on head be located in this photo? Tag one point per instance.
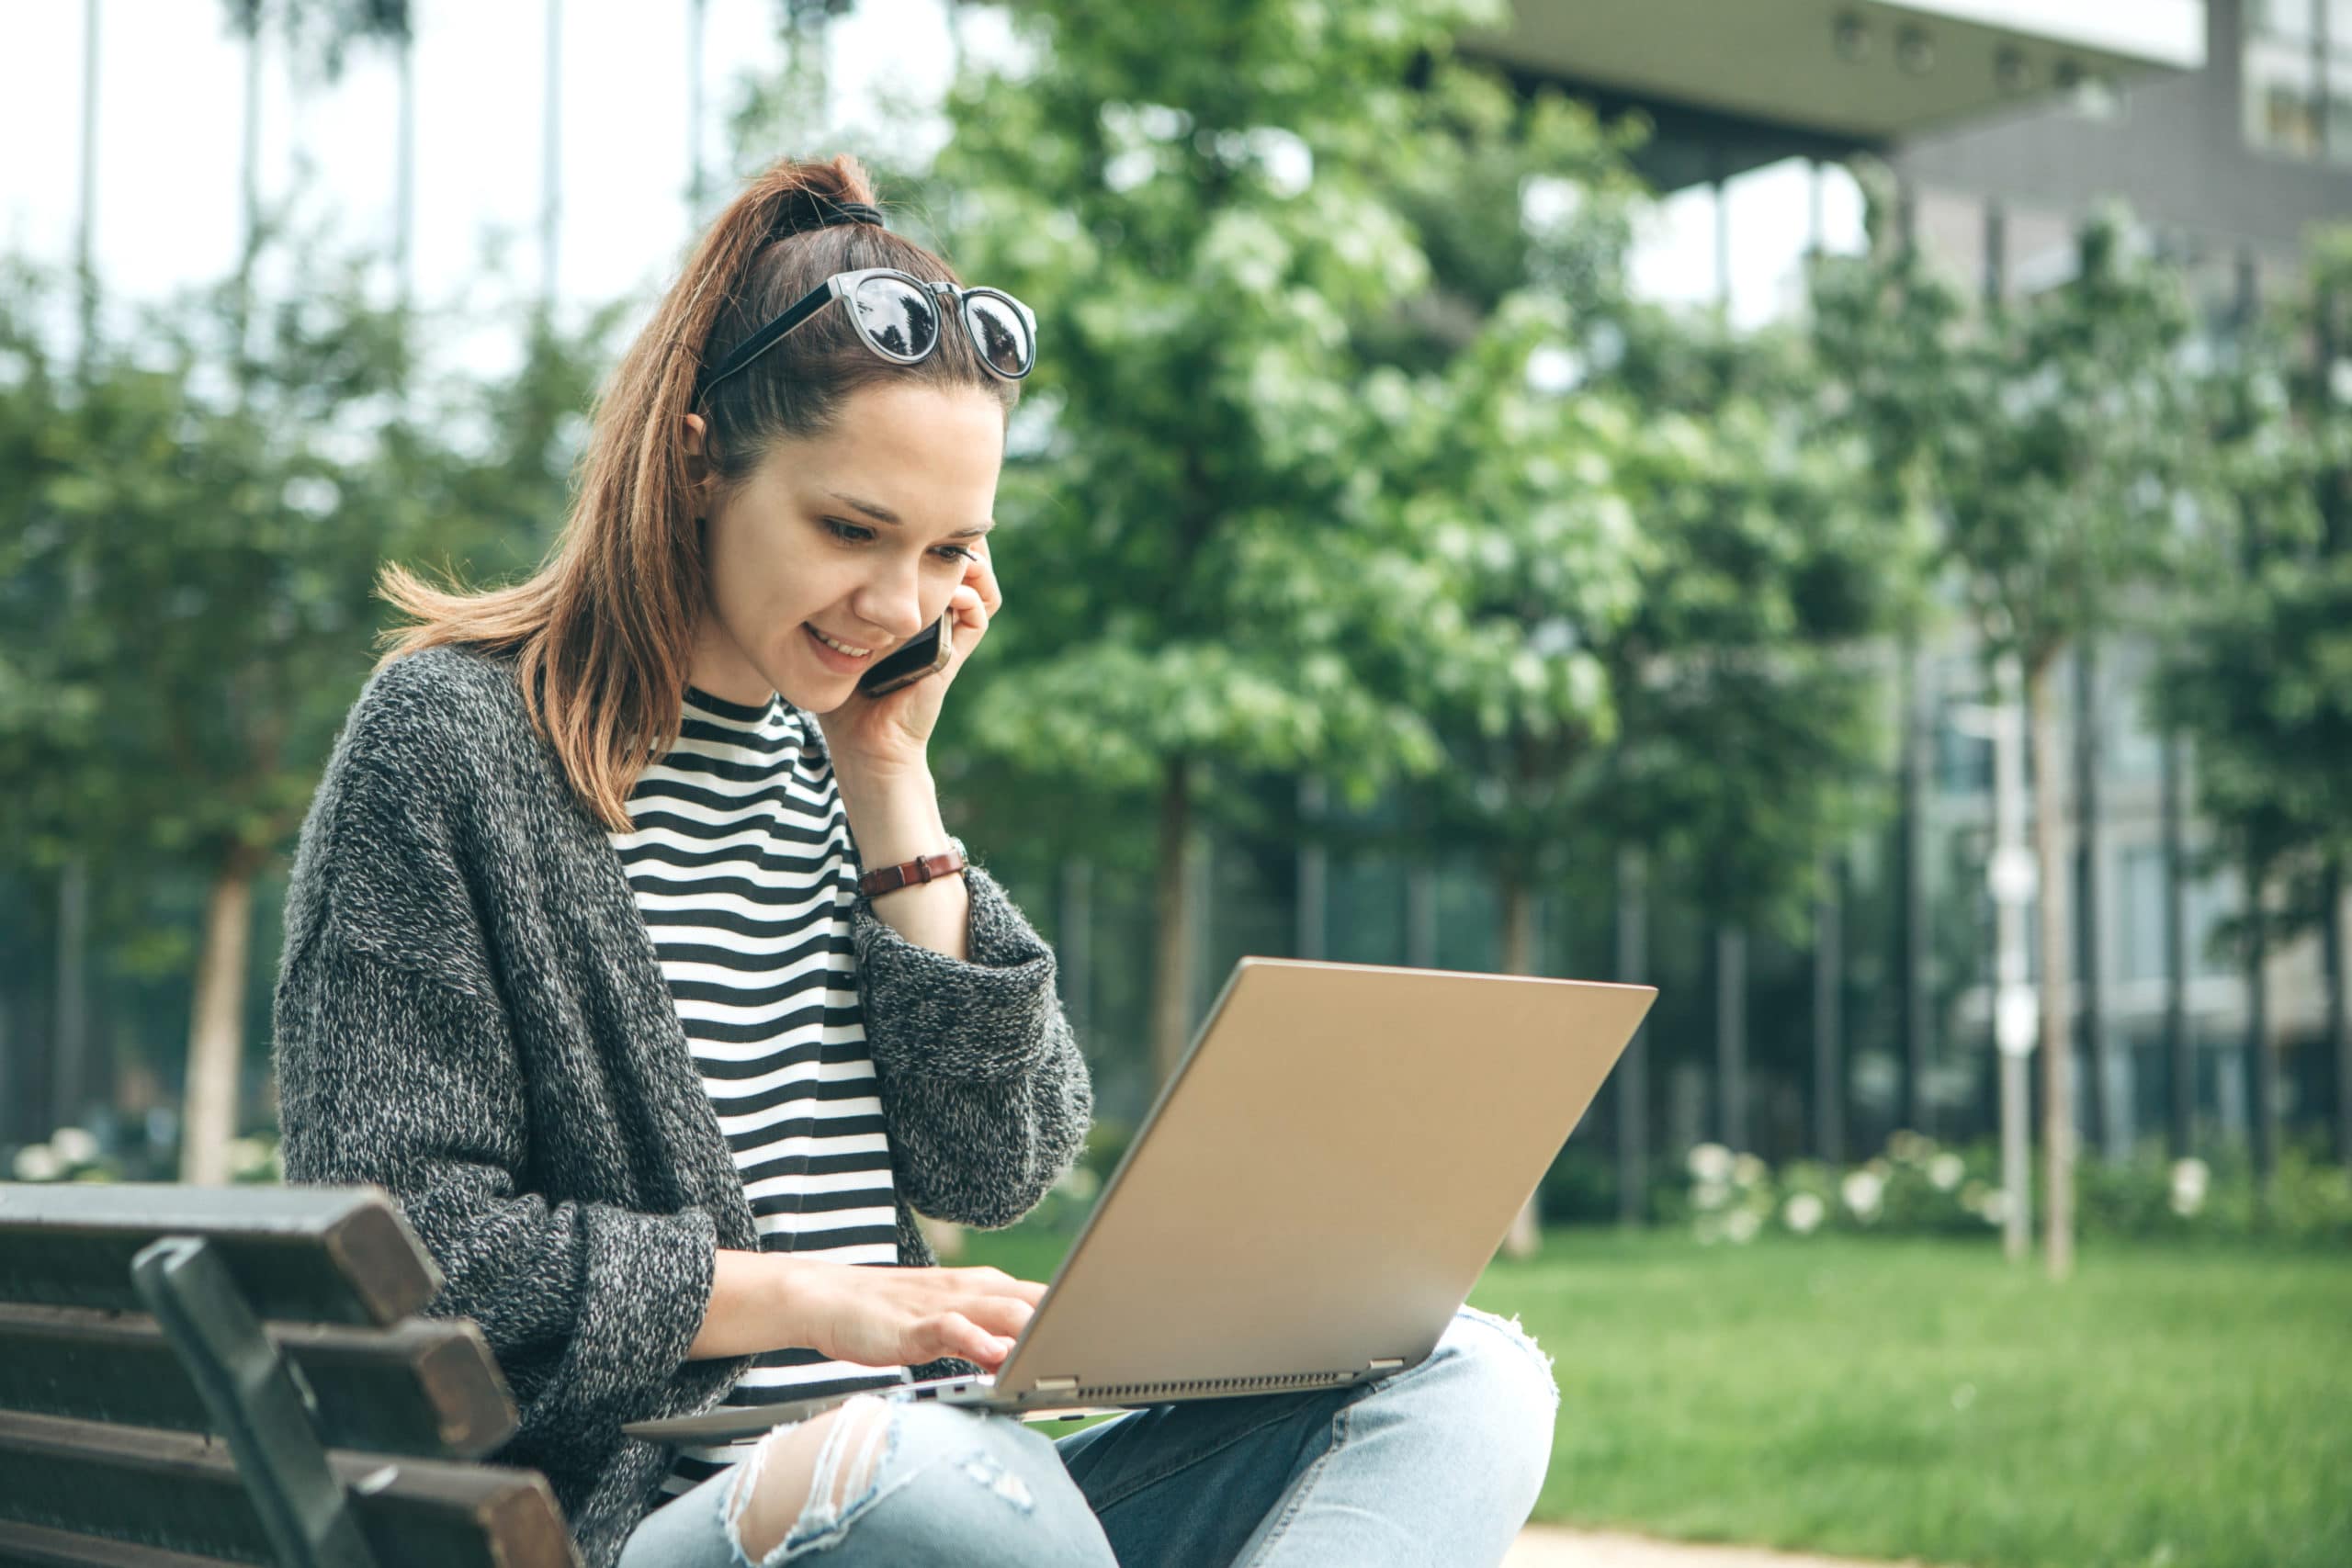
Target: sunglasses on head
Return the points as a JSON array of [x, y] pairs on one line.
[[898, 314]]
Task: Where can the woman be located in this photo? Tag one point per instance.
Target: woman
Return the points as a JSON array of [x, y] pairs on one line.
[[660, 1006]]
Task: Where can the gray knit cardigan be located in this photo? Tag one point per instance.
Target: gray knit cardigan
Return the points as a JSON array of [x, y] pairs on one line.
[[469, 1012]]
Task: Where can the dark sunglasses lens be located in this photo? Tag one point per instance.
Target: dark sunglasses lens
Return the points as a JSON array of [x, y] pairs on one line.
[[1000, 334], [897, 316]]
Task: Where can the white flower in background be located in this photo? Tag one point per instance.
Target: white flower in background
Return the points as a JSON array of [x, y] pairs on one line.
[[1748, 1172], [1711, 1195], [1996, 1206], [1742, 1225], [39, 1162], [1711, 1162], [1971, 1197], [74, 1145], [1909, 1145], [1945, 1170], [1803, 1212], [2190, 1178], [1862, 1191], [248, 1156]]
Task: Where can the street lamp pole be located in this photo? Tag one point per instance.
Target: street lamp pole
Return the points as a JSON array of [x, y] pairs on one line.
[[2016, 1026], [2011, 875]]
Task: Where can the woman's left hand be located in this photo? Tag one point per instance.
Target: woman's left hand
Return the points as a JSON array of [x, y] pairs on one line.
[[876, 739]]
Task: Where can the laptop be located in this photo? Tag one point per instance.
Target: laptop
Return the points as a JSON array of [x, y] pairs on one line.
[[1318, 1186]]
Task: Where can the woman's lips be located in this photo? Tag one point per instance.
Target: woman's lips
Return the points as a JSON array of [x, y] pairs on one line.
[[832, 657]]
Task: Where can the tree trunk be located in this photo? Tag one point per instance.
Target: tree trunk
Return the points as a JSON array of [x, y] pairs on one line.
[[1526, 1236], [698, 191], [1828, 1017], [1074, 950], [2101, 1113], [2180, 1054], [1420, 915], [1730, 1034], [84, 229], [404, 171], [216, 1031], [1912, 953], [249, 185], [2057, 1048], [1632, 1069], [2339, 1017], [1171, 1006], [69, 1085], [2264, 1122], [1313, 936], [551, 157]]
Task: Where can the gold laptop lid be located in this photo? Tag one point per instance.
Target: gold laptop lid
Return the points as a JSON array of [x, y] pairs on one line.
[[1323, 1179]]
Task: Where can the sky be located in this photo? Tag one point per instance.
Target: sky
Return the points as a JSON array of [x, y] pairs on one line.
[[170, 118]]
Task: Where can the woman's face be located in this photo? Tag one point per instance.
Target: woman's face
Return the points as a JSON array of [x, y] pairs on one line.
[[805, 543]]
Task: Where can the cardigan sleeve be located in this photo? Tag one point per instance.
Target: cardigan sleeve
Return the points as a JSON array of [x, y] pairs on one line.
[[398, 1064], [984, 1092], [387, 1076]]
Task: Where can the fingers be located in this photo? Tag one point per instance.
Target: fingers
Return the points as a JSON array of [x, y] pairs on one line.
[[980, 575], [953, 1334], [998, 1315]]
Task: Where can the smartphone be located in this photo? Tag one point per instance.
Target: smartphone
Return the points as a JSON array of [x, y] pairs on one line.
[[926, 653]]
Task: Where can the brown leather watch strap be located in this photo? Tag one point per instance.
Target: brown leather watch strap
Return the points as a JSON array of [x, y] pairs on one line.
[[929, 868]]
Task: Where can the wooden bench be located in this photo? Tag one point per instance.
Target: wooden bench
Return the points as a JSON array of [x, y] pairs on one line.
[[204, 1375]]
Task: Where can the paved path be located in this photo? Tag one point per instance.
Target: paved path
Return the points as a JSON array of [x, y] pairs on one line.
[[1550, 1546]]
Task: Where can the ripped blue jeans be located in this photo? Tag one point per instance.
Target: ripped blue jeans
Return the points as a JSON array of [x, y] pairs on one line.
[[1439, 1464]]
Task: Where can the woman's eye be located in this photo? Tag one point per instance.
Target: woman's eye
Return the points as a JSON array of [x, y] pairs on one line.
[[849, 532]]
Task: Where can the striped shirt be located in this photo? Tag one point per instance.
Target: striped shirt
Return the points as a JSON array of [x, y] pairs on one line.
[[740, 861]]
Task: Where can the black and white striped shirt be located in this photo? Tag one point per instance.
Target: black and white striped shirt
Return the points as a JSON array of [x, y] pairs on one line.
[[740, 862]]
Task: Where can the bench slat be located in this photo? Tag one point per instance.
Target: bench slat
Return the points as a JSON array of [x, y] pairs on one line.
[[427, 1387], [178, 1492], [29, 1546], [306, 1254]]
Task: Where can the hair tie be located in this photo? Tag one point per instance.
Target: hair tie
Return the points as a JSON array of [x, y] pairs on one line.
[[811, 210]]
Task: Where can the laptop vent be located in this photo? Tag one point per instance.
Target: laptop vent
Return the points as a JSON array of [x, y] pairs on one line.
[[1216, 1385]]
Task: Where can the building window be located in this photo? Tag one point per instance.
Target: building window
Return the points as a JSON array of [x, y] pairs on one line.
[[2143, 933], [2298, 77]]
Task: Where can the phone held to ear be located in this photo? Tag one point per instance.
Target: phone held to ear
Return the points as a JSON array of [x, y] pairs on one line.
[[926, 653]]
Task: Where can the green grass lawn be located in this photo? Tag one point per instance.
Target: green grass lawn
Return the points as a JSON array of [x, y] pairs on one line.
[[2174, 1408]]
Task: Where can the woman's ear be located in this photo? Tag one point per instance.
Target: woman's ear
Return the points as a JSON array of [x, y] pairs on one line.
[[697, 464]]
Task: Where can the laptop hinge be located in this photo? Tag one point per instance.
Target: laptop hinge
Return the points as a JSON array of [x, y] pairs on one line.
[[1057, 1386], [1386, 1363]]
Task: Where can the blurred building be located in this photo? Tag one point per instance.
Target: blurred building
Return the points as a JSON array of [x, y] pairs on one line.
[[2227, 128]]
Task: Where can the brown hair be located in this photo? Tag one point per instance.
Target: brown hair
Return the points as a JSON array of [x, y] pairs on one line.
[[603, 630]]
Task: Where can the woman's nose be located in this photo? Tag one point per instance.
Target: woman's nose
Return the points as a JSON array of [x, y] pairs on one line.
[[893, 608]]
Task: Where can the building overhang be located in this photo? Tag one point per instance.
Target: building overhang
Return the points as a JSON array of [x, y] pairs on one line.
[[1829, 75]]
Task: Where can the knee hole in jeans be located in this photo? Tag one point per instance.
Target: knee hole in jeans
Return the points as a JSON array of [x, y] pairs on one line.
[[807, 1475]]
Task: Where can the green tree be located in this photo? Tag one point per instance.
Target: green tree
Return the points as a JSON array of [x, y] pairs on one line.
[[2256, 672], [1195, 201], [219, 519], [2047, 441]]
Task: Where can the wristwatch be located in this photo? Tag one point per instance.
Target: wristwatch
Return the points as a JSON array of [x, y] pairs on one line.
[[907, 874]]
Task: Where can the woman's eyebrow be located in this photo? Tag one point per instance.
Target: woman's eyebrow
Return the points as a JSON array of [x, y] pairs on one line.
[[881, 513]]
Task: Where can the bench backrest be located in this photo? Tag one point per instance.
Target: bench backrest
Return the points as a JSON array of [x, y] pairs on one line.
[[238, 1375]]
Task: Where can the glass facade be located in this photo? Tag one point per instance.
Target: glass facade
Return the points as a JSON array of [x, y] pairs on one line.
[[2298, 77]]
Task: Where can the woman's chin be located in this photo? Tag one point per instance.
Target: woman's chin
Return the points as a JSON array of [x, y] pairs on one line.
[[817, 691]]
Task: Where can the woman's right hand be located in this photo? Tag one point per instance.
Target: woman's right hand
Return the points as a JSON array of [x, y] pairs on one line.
[[885, 1317]]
